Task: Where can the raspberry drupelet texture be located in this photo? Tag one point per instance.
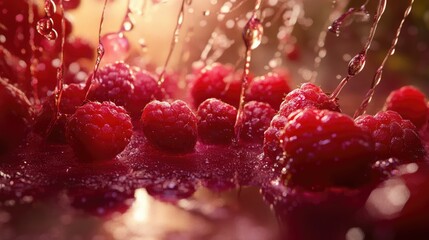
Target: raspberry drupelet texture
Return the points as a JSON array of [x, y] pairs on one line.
[[72, 97], [272, 146], [171, 127], [216, 81], [216, 121], [410, 103], [255, 120], [99, 131], [146, 89], [270, 88], [392, 135], [113, 82], [325, 148], [307, 96]]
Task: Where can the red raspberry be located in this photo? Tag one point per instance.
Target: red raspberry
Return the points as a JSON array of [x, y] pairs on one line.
[[216, 121], [216, 81], [325, 148], [410, 103], [393, 136], [172, 127], [72, 97], [270, 88], [113, 82], [71, 4], [77, 48], [15, 113], [99, 131], [146, 89], [307, 96], [272, 146], [255, 120]]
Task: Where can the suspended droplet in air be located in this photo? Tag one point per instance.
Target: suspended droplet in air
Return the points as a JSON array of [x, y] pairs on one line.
[[252, 34]]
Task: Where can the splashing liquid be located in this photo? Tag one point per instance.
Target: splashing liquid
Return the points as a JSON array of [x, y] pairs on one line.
[[100, 53], [60, 70], [45, 26], [293, 9], [320, 49], [179, 23], [336, 25], [252, 37], [379, 73], [357, 63], [60, 74], [33, 60]]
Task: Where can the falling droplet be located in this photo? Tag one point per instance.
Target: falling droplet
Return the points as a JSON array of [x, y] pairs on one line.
[[378, 75], [44, 26], [142, 44], [356, 64], [128, 25], [50, 8], [52, 35], [253, 32]]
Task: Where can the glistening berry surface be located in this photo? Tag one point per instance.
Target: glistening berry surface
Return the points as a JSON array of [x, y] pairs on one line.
[[216, 121], [325, 148], [270, 88], [216, 81], [307, 96], [392, 135], [410, 103], [170, 126], [113, 82], [99, 131], [256, 118], [146, 89]]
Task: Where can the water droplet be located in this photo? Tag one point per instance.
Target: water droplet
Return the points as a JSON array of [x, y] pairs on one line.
[[44, 26], [252, 34], [50, 8], [52, 35], [142, 44], [356, 64], [206, 13]]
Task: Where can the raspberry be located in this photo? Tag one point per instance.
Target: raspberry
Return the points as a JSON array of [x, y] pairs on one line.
[[99, 131], [172, 127], [72, 97], [15, 113], [216, 81], [410, 103], [325, 148], [113, 82], [270, 88], [255, 120], [307, 96], [216, 121], [71, 4], [145, 90], [77, 48], [393, 136], [272, 146]]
